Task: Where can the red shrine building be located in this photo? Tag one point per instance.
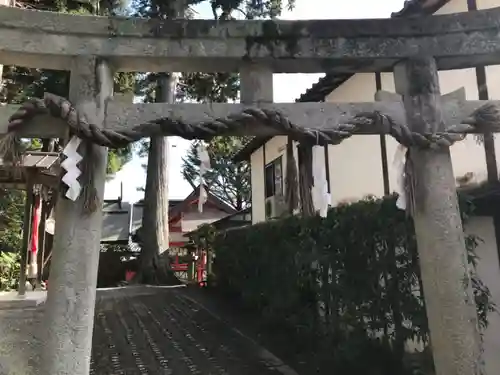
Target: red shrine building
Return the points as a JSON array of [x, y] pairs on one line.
[[184, 215]]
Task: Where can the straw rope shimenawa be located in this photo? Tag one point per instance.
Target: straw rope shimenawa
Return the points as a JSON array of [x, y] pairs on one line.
[[484, 119]]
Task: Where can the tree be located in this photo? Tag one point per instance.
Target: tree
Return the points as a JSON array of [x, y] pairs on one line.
[[154, 233], [11, 218], [154, 236], [21, 83], [227, 180], [216, 86]]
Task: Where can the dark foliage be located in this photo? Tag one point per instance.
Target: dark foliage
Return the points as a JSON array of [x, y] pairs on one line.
[[348, 285]]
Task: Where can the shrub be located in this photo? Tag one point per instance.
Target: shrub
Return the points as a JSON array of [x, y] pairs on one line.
[[350, 281], [114, 261]]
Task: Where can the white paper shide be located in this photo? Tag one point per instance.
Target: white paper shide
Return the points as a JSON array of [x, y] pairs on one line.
[[399, 165], [321, 197], [70, 165]]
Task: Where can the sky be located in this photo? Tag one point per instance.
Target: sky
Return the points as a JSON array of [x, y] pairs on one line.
[[286, 90]]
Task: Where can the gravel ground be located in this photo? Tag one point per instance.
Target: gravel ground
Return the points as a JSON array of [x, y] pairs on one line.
[[19, 341], [141, 330]]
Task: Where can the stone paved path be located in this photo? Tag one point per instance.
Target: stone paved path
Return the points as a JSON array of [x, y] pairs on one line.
[[162, 331], [143, 330]]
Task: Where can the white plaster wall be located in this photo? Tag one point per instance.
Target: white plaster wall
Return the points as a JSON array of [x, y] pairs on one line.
[[176, 237], [275, 148], [192, 218], [354, 174], [468, 155], [454, 6], [487, 4]]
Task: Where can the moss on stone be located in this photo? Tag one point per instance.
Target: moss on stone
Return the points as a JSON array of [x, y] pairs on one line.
[[273, 36]]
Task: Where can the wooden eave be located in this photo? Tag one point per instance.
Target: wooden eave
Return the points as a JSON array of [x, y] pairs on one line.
[[41, 167]]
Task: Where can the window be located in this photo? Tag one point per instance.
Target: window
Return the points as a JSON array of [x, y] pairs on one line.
[[273, 174]]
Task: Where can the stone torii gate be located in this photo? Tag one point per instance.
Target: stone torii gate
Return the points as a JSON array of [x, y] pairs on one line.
[[93, 47]]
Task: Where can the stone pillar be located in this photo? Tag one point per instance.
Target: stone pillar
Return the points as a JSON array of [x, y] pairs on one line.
[[256, 87], [447, 286], [256, 84], [69, 312]]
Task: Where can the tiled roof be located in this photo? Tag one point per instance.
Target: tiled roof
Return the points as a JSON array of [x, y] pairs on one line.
[[321, 89], [414, 8]]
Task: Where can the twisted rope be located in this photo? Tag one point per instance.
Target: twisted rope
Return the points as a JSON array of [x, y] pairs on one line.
[[484, 119], [80, 126]]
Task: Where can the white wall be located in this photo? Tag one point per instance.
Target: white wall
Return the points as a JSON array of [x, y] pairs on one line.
[[355, 164], [468, 155], [274, 148], [486, 4], [176, 237], [454, 6], [355, 174], [192, 218]]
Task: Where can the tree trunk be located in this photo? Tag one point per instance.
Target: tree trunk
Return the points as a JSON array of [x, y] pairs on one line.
[[153, 267], [239, 196]]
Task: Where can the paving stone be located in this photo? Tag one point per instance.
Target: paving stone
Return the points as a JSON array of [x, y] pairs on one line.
[[160, 331], [141, 331]]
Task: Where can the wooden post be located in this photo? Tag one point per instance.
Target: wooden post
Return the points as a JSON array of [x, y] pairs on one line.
[[451, 310], [27, 221], [191, 268], [47, 145], [209, 260], [69, 315], [41, 242]]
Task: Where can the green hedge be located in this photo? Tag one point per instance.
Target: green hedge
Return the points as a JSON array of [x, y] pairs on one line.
[[348, 278]]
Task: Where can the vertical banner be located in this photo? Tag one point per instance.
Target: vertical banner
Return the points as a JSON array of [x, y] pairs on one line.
[[36, 222], [37, 212]]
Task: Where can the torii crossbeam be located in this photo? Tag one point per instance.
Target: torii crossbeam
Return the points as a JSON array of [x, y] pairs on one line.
[[422, 120], [49, 40]]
